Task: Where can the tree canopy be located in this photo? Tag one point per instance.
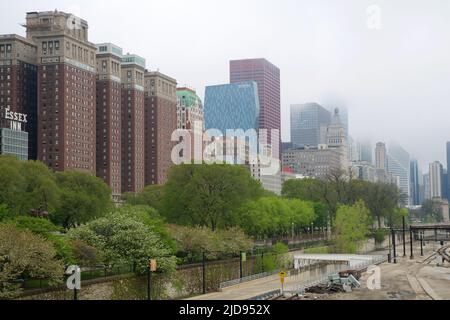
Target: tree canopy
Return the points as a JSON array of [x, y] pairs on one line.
[[207, 195], [351, 226], [25, 255], [83, 198], [123, 239]]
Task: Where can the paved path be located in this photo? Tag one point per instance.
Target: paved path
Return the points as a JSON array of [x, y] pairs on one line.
[[247, 290]]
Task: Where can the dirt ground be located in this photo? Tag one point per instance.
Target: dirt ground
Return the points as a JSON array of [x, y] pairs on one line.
[[406, 280]]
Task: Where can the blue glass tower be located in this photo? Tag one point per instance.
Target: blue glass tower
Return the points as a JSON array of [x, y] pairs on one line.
[[232, 106]]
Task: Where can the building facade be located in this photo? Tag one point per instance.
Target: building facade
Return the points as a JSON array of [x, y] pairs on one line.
[[18, 84], [308, 124], [232, 107], [414, 183], [189, 109], [160, 122], [66, 91], [133, 123], [336, 139], [14, 143], [381, 156], [436, 180], [108, 116], [316, 162], [267, 76]]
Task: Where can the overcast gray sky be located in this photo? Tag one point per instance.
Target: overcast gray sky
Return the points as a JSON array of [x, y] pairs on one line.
[[395, 81]]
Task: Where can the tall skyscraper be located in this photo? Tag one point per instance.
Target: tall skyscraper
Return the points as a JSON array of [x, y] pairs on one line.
[[267, 76], [160, 123], [18, 86], [109, 99], [308, 124], [133, 157], [66, 90], [414, 183], [399, 166], [448, 170], [336, 138], [380, 156], [436, 179], [426, 187], [232, 106]]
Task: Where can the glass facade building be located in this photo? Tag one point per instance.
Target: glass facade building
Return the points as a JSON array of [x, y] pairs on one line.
[[232, 106], [414, 181], [14, 143], [308, 124]]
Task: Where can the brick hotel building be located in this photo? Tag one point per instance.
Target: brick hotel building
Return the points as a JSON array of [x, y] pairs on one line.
[[89, 107], [66, 91], [160, 123], [18, 84], [109, 109], [133, 159]]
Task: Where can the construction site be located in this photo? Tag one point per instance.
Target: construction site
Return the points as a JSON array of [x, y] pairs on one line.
[[415, 266]]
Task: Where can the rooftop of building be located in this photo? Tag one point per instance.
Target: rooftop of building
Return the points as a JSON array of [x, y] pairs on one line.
[[133, 59], [16, 37], [159, 74], [109, 48]]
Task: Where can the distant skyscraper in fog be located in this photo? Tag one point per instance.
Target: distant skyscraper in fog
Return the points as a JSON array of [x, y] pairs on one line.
[[414, 183], [309, 123], [436, 179], [399, 166], [448, 169], [380, 156]]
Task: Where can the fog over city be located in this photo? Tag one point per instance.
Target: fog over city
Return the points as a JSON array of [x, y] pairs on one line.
[[394, 78]]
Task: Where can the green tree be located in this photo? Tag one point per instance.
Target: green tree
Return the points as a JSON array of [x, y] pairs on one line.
[[207, 195], [26, 185], [86, 255], [83, 198], [151, 218], [430, 212], [382, 200], [41, 190], [12, 183], [192, 242], [125, 240], [151, 196], [25, 255], [271, 217], [351, 227], [5, 214]]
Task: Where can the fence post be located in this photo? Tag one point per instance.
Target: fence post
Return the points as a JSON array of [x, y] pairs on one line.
[[404, 236], [394, 246], [412, 239], [240, 265], [204, 273]]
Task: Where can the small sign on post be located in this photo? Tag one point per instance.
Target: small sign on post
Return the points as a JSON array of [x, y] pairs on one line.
[[244, 256], [152, 265], [282, 275]]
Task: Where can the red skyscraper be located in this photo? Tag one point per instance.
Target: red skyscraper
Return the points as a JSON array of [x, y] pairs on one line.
[[267, 76]]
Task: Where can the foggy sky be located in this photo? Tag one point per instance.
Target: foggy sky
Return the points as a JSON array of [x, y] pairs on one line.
[[394, 81]]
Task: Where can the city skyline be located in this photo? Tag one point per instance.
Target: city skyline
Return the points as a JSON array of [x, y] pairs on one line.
[[375, 68]]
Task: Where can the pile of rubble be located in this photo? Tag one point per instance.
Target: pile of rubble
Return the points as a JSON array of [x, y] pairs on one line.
[[344, 281]]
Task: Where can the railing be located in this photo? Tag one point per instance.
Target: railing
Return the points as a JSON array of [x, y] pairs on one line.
[[247, 279], [267, 296]]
